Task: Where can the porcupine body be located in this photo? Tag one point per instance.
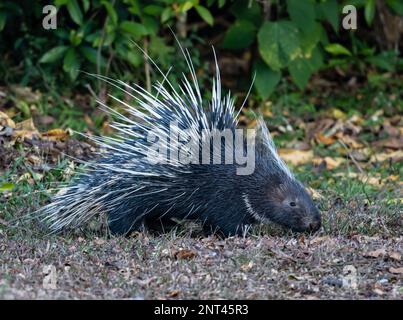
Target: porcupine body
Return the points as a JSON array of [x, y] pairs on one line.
[[135, 190]]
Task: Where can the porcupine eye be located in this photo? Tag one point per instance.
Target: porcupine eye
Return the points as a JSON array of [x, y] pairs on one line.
[[293, 204]]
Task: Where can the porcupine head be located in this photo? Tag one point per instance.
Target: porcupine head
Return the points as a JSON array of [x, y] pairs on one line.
[[273, 194]]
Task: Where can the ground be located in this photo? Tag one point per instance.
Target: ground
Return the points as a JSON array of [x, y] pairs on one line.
[[176, 267], [351, 162]]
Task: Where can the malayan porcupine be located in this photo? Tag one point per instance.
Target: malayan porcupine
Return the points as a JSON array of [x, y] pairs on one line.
[[134, 189]]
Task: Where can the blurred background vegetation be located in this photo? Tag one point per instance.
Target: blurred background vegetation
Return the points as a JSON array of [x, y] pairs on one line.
[[288, 44]]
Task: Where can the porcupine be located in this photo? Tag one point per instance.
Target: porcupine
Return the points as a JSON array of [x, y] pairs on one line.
[[135, 192]]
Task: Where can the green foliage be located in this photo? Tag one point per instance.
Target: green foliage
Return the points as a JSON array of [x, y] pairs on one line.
[[286, 37], [96, 36]]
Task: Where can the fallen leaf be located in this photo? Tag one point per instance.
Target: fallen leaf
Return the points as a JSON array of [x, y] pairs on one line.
[[50, 279], [247, 267], [6, 121], [314, 194], [173, 294], [331, 163], [338, 114], [27, 125], [376, 253], [184, 254], [296, 157], [395, 255], [321, 138], [56, 135], [379, 292], [350, 277], [395, 156], [391, 142], [396, 270], [318, 240], [349, 141]]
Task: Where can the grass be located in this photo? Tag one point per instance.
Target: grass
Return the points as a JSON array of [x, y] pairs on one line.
[[361, 237]]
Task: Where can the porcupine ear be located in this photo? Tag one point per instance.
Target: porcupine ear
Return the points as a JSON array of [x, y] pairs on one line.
[[265, 147]]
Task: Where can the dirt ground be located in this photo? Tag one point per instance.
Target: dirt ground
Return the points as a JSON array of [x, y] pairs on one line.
[[171, 267]]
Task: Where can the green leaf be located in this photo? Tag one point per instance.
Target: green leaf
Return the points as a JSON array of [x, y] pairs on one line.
[[53, 54], [7, 186], [134, 58], [247, 10], [151, 24], [301, 69], [75, 12], [3, 19], [186, 6], [166, 14], [135, 29], [278, 43], [369, 11], [386, 60], [71, 63], [91, 54], [205, 14], [60, 3], [153, 10], [396, 6], [337, 49], [266, 79], [86, 5], [111, 12], [309, 40], [330, 10], [302, 13], [240, 35]]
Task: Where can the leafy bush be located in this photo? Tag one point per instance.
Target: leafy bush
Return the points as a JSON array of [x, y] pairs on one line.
[[298, 37]]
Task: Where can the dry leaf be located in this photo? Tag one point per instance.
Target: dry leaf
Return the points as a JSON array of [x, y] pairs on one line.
[[331, 163], [338, 114], [319, 239], [6, 121], [314, 194], [50, 279], [247, 267], [56, 135], [321, 138], [27, 125], [396, 270], [376, 253], [395, 156], [395, 255], [391, 142], [375, 181], [350, 277], [349, 141], [173, 294], [184, 254], [296, 157]]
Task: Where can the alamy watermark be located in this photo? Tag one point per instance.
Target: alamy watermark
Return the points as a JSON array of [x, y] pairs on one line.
[[185, 146], [49, 21]]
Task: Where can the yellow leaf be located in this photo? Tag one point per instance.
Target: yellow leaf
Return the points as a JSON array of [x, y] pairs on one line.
[[331, 163], [338, 114], [296, 157], [27, 125], [56, 134], [5, 121], [325, 139], [395, 156]]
